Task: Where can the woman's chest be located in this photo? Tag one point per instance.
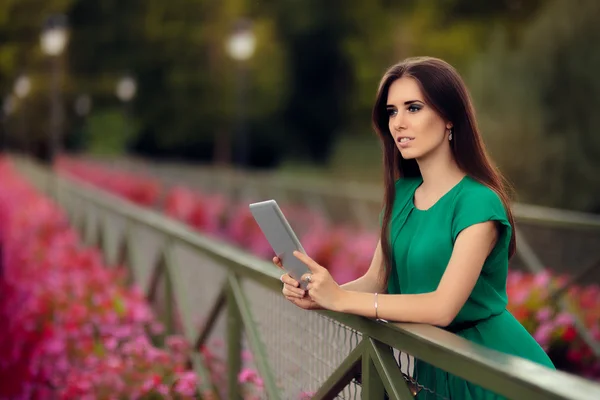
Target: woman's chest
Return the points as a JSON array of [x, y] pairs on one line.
[[422, 246]]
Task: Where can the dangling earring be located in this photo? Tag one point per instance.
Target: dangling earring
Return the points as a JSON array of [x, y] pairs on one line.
[[450, 135]]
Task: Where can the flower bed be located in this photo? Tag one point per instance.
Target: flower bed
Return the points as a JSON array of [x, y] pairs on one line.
[[554, 330], [71, 327], [140, 190], [347, 254]]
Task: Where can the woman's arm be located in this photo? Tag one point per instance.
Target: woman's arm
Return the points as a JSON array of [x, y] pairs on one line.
[[439, 307], [370, 282]]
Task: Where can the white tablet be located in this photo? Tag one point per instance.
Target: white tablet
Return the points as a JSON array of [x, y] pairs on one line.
[[280, 236]]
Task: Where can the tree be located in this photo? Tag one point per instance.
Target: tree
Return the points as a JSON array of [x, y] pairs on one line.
[[539, 100]]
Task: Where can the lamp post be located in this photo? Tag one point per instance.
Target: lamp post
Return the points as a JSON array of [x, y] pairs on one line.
[[53, 40], [21, 89], [126, 90], [240, 47], [8, 107], [82, 106]]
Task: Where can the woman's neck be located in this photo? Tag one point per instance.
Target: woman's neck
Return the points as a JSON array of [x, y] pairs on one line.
[[440, 172]]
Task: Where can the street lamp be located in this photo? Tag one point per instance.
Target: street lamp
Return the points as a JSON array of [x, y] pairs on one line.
[[240, 46], [242, 41], [53, 40], [22, 86], [126, 89], [55, 35]]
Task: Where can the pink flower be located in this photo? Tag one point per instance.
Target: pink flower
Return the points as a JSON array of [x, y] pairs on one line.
[[111, 343], [258, 381], [179, 203], [306, 395], [157, 328], [163, 389], [177, 344], [151, 383], [246, 375], [246, 356], [543, 334], [544, 314], [114, 362], [563, 319], [542, 279], [186, 384], [595, 332], [519, 296]]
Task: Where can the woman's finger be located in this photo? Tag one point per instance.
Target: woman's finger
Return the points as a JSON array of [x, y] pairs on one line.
[[288, 280], [300, 292], [308, 277], [286, 292], [277, 262], [292, 291]]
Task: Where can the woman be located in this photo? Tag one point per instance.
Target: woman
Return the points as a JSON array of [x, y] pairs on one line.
[[447, 230]]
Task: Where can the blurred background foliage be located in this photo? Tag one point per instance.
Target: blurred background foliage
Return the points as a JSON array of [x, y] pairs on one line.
[[531, 66]]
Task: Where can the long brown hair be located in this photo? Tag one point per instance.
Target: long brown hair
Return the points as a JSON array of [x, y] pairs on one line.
[[445, 91]]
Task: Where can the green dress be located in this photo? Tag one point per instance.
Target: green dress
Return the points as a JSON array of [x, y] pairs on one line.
[[422, 243]]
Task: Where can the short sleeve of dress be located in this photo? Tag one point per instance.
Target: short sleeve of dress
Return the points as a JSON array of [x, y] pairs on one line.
[[480, 204]]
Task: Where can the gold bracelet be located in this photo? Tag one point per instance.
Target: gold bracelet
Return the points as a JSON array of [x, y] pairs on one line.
[[376, 317]]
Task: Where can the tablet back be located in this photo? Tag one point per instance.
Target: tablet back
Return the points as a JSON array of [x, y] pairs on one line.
[[280, 236]]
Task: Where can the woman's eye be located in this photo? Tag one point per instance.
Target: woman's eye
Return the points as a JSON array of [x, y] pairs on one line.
[[391, 112], [413, 108]]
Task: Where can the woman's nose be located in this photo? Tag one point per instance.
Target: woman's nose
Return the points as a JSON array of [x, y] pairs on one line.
[[398, 122]]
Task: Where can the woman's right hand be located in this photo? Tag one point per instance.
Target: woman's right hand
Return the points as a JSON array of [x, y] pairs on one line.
[[293, 292]]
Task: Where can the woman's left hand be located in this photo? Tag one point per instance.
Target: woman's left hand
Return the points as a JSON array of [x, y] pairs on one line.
[[321, 286]]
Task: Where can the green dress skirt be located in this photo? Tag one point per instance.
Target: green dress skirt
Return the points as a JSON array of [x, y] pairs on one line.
[[422, 243]]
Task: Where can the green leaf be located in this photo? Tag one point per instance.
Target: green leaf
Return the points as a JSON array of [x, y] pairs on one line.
[[119, 305], [99, 349]]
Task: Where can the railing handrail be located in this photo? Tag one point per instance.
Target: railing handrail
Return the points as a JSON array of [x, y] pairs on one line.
[[497, 371]]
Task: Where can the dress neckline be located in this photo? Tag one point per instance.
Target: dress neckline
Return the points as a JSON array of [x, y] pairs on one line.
[[452, 189]]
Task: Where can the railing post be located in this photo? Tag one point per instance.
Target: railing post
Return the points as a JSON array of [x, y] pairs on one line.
[[101, 239], [125, 255], [87, 229], [372, 385], [168, 286], [234, 345]]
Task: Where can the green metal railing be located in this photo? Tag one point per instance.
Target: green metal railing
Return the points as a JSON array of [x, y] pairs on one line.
[[361, 203], [335, 355]]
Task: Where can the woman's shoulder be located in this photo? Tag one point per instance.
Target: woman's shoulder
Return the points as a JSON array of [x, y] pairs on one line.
[[476, 195], [472, 188]]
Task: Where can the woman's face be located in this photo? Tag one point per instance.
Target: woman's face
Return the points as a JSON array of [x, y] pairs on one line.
[[418, 130]]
